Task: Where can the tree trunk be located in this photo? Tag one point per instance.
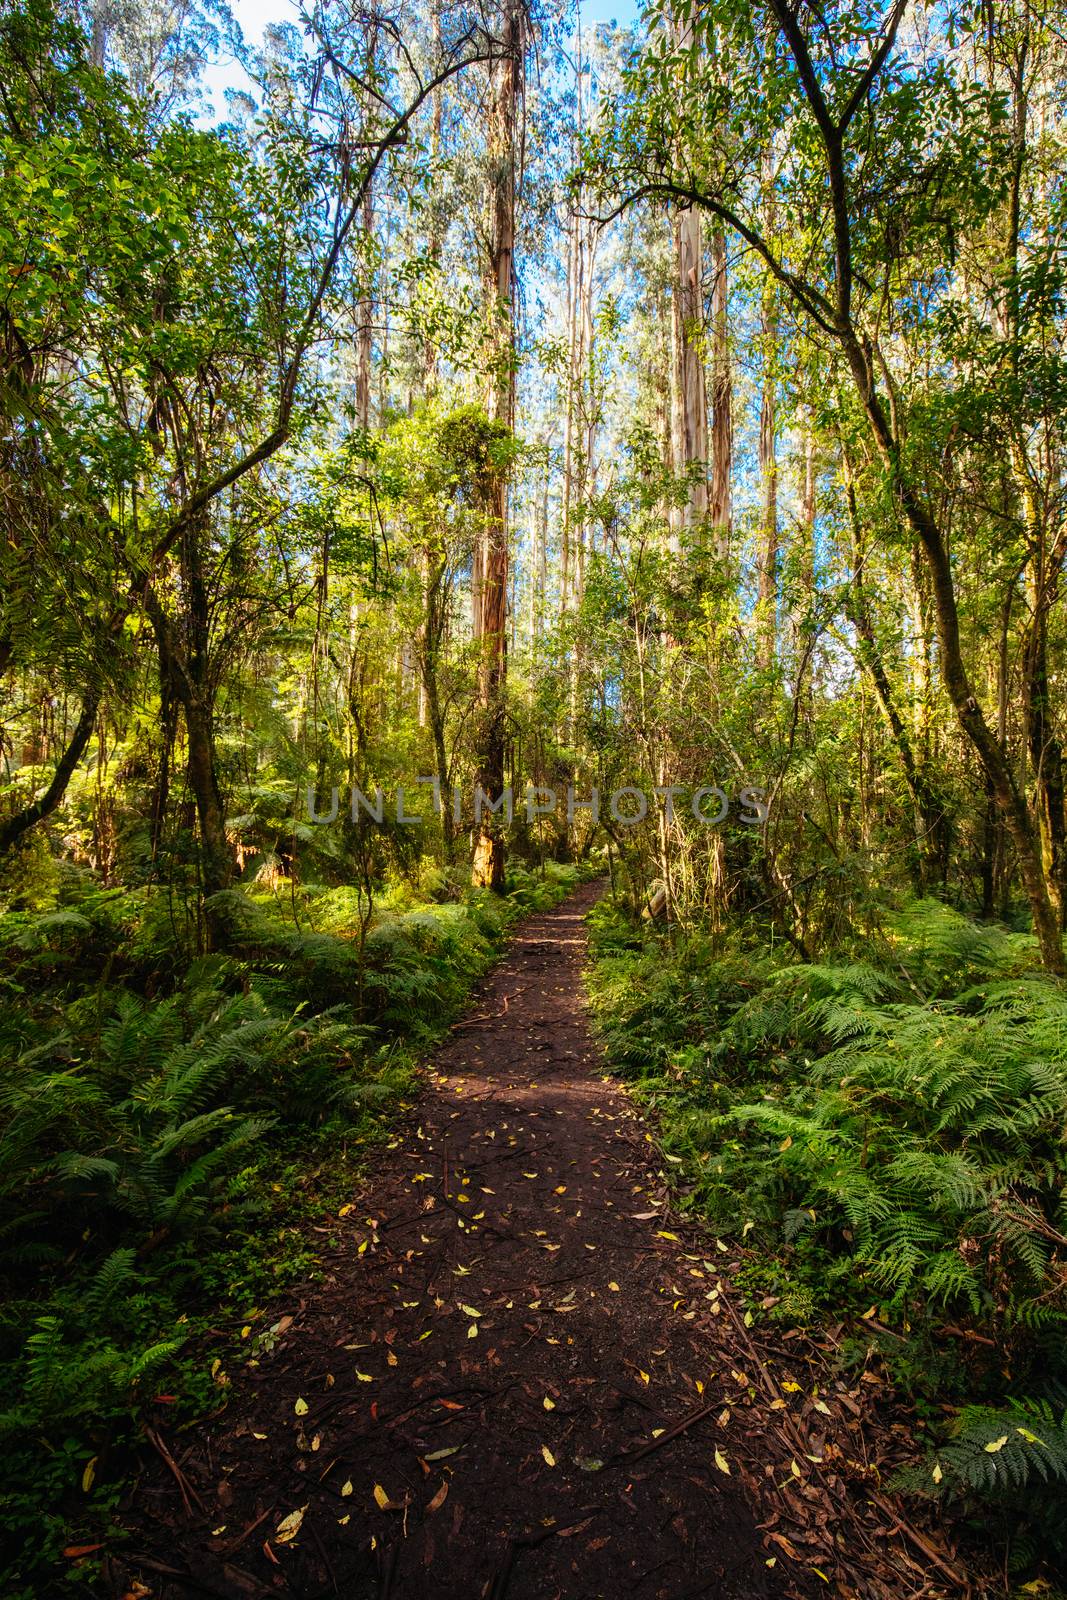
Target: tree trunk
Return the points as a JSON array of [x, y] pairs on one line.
[[216, 857], [22, 821], [722, 428], [1009, 799], [1046, 753], [767, 604], [491, 570], [688, 388]]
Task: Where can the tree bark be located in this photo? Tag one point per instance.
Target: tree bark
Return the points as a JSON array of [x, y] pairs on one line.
[[491, 569], [689, 387], [15, 826], [720, 509], [767, 600], [930, 859]]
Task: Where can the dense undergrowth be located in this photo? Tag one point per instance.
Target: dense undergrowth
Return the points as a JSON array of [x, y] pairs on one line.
[[173, 1130], [886, 1130]]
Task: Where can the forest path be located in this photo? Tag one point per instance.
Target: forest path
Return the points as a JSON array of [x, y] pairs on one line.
[[511, 1306]]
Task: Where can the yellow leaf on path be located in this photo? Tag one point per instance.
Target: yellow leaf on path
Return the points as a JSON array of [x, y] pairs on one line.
[[549, 1405], [996, 1444], [364, 1377], [722, 1463], [301, 1408], [794, 1469], [344, 1211], [89, 1474], [472, 1331], [346, 1487], [614, 1288], [381, 1498], [673, 1237], [643, 1376], [549, 1457], [438, 1500], [470, 1311], [289, 1526]]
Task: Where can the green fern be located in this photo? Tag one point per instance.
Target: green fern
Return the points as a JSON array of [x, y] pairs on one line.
[[996, 1452]]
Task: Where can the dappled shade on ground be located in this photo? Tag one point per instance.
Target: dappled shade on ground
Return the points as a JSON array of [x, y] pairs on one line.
[[518, 1378]]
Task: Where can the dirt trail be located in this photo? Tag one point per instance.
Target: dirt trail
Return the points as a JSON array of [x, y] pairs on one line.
[[512, 1307]]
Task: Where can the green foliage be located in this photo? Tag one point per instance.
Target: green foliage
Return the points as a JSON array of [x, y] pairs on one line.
[[156, 1148], [893, 1129]]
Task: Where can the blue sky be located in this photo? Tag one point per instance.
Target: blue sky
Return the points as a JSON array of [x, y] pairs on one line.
[[255, 15]]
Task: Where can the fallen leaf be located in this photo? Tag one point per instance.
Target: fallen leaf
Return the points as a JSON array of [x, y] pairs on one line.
[[438, 1500], [549, 1457], [301, 1408], [722, 1463], [89, 1474], [289, 1526]]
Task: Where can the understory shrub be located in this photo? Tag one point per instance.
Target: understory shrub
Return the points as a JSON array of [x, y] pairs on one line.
[[890, 1132], [167, 1124]]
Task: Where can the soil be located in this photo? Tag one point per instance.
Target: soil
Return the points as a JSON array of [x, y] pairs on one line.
[[521, 1377]]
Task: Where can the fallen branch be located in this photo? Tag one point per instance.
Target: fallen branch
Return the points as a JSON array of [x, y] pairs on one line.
[[188, 1493], [629, 1456], [486, 1016]]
